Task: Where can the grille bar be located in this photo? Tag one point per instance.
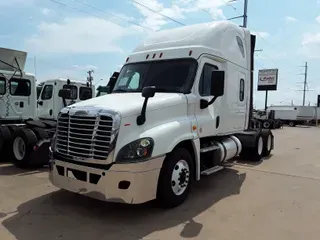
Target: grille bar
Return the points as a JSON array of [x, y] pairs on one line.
[[87, 137]]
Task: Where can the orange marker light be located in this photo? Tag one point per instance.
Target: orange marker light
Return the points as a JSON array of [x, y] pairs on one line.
[[194, 127]]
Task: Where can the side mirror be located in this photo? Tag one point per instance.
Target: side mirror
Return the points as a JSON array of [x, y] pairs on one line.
[[108, 89], [217, 83], [64, 93], [148, 92]]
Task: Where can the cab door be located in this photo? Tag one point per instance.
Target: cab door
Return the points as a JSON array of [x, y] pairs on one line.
[[21, 100], [208, 118], [45, 102]]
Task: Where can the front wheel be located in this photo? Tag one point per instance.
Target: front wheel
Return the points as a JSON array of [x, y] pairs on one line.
[[175, 178]]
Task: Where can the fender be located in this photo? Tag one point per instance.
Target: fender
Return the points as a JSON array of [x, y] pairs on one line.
[[167, 136]]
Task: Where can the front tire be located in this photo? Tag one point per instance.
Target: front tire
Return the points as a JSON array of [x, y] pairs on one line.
[[175, 178]]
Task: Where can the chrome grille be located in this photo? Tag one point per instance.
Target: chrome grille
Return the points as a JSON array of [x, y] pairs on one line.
[[85, 137]]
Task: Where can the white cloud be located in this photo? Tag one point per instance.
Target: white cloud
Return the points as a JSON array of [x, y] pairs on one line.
[[77, 35], [318, 18], [261, 34], [290, 19], [176, 11], [311, 45], [45, 11], [15, 3], [85, 67]]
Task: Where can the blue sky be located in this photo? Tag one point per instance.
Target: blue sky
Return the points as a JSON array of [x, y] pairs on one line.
[[66, 40]]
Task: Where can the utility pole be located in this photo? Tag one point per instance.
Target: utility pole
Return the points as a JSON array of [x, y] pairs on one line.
[[245, 11], [305, 83], [245, 16], [90, 78]]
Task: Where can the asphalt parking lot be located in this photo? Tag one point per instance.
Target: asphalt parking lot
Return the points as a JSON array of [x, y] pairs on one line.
[[278, 198]]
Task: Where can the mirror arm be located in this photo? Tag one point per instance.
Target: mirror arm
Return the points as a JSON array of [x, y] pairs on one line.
[[204, 103], [142, 117]]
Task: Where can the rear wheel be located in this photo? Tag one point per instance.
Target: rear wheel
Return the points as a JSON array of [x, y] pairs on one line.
[[175, 178], [23, 144], [5, 144], [253, 154], [292, 124], [266, 124], [267, 144], [40, 133]]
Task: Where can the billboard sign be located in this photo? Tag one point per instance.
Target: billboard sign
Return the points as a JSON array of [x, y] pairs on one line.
[[267, 79]]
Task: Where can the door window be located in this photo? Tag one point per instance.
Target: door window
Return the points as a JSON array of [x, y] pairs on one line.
[[20, 87], [205, 79], [47, 92]]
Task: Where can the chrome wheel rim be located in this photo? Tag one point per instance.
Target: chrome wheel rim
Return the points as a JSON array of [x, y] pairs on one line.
[[269, 142], [180, 177], [19, 148], [260, 145]]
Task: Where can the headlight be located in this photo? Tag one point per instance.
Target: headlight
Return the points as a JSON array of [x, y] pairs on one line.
[[135, 151]]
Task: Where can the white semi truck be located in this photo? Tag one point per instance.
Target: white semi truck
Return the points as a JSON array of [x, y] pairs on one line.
[[179, 109], [28, 113]]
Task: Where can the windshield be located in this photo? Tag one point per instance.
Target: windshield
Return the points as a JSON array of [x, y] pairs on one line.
[[166, 76]]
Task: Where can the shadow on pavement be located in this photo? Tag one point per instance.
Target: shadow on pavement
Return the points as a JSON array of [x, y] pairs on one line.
[[64, 215], [10, 169]]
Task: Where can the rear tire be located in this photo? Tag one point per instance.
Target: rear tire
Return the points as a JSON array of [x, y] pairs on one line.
[[253, 154], [40, 133], [175, 178], [267, 143], [292, 124], [22, 145], [5, 144], [266, 124]]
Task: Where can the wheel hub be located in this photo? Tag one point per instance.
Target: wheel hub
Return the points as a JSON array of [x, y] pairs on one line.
[[180, 177], [19, 148]]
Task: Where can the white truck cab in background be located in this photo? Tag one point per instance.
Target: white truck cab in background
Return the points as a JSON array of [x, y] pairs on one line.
[[180, 108], [28, 112]]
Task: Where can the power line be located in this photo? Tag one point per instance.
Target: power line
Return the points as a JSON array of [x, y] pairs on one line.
[[244, 15], [79, 10], [114, 15], [159, 13]]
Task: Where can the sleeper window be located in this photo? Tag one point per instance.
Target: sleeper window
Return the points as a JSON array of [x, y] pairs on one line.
[[241, 90]]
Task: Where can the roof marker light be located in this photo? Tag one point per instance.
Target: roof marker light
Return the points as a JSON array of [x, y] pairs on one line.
[[190, 52], [160, 55], [154, 55], [127, 59]]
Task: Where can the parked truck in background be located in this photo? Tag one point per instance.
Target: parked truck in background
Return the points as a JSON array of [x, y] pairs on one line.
[[28, 112], [179, 109], [295, 115]]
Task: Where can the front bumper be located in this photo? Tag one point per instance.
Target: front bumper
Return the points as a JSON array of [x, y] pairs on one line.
[[125, 183]]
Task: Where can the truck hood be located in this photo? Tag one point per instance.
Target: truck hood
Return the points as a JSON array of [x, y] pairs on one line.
[[128, 104]]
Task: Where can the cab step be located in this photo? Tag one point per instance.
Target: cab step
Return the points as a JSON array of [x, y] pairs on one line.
[[212, 170]]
